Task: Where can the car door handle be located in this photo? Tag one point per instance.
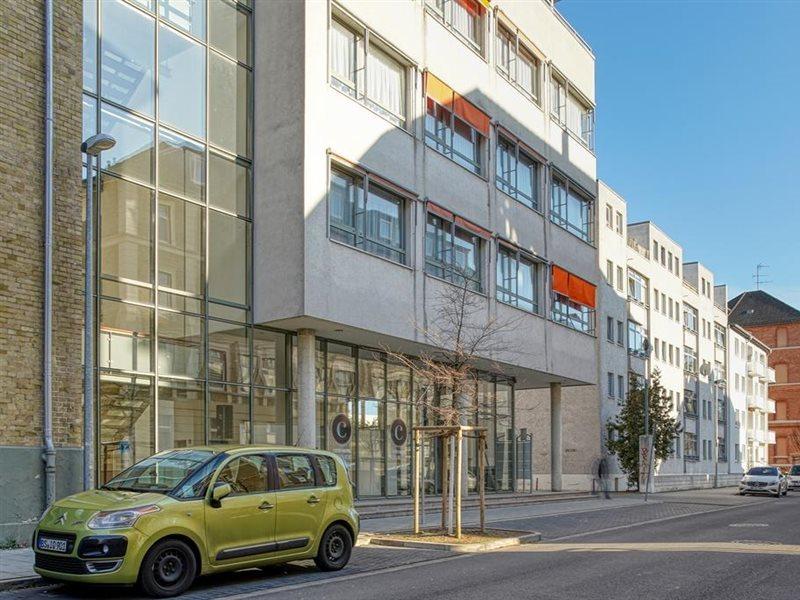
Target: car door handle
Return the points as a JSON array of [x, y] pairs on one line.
[[265, 505], [313, 500]]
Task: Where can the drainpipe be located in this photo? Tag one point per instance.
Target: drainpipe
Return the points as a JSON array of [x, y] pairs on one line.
[[49, 455]]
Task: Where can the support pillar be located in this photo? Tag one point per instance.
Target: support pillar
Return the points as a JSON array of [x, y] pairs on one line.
[[306, 434], [556, 449]]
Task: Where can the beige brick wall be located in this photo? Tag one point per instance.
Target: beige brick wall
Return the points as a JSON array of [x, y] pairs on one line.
[[22, 229]]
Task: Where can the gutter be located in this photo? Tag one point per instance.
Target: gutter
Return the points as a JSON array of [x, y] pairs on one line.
[[49, 456]]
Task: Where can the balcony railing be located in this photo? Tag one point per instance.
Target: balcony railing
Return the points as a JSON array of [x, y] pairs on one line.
[[770, 437], [771, 406], [756, 403], [638, 247], [770, 375]]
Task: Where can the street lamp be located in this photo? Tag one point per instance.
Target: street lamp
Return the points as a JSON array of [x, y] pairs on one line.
[[92, 148], [647, 350]]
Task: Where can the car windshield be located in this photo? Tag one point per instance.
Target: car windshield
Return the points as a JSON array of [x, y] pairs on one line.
[[160, 473], [763, 471], [795, 470]]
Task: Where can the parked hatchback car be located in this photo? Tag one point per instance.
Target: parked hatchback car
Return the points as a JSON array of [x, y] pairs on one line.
[[764, 480], [794, 477], [193, 511]]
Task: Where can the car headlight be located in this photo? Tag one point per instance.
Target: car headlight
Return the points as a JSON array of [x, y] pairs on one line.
[[118, 519]]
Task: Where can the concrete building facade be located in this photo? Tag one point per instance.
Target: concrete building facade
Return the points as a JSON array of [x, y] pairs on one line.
[[270, 231], [776, 325]]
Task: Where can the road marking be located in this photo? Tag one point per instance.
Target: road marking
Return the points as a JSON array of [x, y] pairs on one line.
[[729, 547], [329, 580], [749, 525], [659, 520]]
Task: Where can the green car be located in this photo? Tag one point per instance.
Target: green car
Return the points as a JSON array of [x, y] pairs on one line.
[[193, 511]]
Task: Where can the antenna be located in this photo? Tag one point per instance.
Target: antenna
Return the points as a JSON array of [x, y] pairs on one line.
[[759, 277]]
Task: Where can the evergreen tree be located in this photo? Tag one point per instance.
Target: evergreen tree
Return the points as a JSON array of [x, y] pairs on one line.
[[624, 430]]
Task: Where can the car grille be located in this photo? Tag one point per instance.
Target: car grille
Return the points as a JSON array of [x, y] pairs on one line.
[[758, 484], [60, 564]]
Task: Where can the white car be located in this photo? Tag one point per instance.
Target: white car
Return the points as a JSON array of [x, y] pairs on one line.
[[764, 480], [794, 477]]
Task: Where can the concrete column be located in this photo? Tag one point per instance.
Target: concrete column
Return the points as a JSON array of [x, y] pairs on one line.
[[306, 434], [556, 450]]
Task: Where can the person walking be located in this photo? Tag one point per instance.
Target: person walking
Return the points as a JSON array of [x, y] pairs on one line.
[[602, 476]]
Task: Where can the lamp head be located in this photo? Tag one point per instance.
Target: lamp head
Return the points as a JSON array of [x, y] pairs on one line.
[[97, 143]]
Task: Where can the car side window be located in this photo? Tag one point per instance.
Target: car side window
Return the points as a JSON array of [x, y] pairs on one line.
[[327, 467], [245, 474], [294, 471]]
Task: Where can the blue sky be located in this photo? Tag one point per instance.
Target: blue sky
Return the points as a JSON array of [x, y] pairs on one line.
[[698, 127]]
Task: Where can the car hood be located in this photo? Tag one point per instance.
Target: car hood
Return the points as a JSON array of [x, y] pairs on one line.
[[75, 511]]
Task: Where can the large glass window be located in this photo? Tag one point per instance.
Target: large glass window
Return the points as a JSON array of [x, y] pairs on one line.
[[181, 82], [453, 137], [373, 220], [229, 30], [180, 344], [128, 56], [571, 209], [464, 17], [132, 156], [571, 111], [690, 318], [229, 105], [180, 243], [517, 279], [636, 338], [517, 173], [126, 248], [637, 287], [229, 414], [689, 360], [228, 352], [453, 253], [229, 184], [181, 413], [125, 340], [181, 165], [187, 15], [228, 251], [269, 416]]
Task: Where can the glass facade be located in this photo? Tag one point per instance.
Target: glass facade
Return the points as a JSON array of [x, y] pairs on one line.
[[179, 360]]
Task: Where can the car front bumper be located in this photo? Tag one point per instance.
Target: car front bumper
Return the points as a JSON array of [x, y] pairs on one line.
[[750, 489], [84, 561]]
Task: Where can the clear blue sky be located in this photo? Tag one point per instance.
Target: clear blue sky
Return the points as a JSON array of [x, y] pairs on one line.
[[698, 127]]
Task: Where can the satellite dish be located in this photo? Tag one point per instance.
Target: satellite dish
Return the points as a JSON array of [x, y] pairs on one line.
[[705, 369]]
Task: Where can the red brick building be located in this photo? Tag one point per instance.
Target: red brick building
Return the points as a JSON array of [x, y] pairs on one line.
[[777, 325]]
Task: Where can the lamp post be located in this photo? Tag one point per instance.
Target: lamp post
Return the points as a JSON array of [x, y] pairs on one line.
[[92, 148], [719, 381]]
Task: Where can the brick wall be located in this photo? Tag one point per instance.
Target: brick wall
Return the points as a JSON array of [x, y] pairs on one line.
[[21, 232], [785, 343]]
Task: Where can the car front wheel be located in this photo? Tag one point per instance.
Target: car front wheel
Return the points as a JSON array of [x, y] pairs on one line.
[[334, 548], [168, 569]]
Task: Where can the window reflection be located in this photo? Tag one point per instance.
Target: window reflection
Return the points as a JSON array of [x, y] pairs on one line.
[[180, 344], [180, 237], [228, 184], [181, 413], [181, 165], [128, 54], [132, 155], [181, 82], [228, 244], [229, 89], [126, 229], [228, 30], [228, 352], [126, 336], [229, 414], [188, 15]]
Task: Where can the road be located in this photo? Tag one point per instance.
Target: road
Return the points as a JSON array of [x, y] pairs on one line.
[[688, 545]]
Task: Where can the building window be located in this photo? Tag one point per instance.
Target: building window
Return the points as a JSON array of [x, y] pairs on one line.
[[610, 329], [689, 403], [689, 360], [620, 225], [464, 17], [690, 446], [454, 126], [610, 273], [517, 172], [517, 63], [719, 335], [610, 385], [517, 279], [636, 337], [453, 251], [367, 72], [690, 318], [620, 333], [572, 111], [637, 287], [620, 387], [573, 300], [571, 209], [619, 278], [366, 216], [609, 216]]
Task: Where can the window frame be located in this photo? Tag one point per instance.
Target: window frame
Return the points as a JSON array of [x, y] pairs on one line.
[[443, 11], [563, 221], [276, 487], [561, 90], [367, 180], [446, 146], [504, 138], [513, 36], [449, 271], [519, 256], [358, 90], [230, 459]]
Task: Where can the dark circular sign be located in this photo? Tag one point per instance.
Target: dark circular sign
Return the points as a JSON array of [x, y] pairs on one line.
[[341, 428], [399, 432]]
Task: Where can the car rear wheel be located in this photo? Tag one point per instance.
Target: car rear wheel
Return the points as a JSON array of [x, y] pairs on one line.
[[168, 569], [334, 548]]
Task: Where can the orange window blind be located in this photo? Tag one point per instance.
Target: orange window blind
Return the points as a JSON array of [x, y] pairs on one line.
[[443, 94], [576, 289]]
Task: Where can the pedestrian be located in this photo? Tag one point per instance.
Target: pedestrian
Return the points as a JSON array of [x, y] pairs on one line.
[[602, 476]]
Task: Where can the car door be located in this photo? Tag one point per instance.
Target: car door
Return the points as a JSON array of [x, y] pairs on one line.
[[241, 526], [301, 501]]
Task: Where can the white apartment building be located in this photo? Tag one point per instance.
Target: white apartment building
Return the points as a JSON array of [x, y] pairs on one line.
[[748, 385], [651, 294], [401, 147]]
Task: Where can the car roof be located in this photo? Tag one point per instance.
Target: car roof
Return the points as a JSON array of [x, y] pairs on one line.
[[245, 448]]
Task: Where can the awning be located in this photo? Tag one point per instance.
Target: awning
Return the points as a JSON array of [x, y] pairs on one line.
[[443, 94], [575, 288]]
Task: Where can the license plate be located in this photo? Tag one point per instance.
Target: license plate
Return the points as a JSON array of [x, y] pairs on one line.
[[52, 545]]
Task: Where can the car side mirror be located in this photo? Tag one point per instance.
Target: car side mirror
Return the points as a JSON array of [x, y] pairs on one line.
[[219, 492]]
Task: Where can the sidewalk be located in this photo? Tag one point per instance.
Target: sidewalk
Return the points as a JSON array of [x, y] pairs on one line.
[[16, 567]]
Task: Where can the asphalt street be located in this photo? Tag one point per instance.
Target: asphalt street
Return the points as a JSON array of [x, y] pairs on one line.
[[687, 545]]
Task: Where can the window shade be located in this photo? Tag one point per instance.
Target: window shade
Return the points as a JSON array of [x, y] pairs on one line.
[[572, 286], [479, 231], [463, 108]]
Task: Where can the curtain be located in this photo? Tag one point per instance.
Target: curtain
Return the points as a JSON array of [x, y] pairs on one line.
[[385, 81], [343, 53], [465, 19], [526, 73]]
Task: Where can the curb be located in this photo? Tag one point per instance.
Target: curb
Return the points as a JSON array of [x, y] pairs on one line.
[[21, 582], [521, 537]]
